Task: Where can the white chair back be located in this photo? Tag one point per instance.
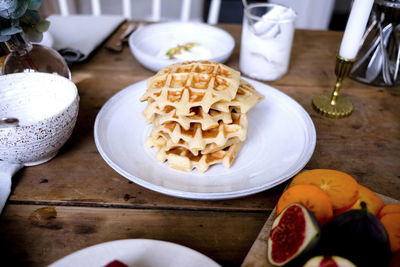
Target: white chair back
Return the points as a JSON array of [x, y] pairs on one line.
[[213, 13]]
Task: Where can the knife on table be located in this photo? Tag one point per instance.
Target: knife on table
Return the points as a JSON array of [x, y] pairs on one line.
[[115, 44]]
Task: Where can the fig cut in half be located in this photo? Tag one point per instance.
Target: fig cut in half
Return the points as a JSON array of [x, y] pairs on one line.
[[329, 261], [294, 232]]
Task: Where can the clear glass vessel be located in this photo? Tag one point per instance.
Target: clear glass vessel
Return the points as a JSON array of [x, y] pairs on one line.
[[378, 60], [27, 57], [267, 37]]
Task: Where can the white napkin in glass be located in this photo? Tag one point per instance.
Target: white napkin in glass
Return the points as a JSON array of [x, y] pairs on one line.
[[76, 36]]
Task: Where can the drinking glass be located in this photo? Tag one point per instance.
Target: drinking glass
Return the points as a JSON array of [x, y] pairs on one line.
[[267, 37]]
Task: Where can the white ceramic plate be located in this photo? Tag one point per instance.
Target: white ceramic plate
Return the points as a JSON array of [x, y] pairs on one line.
[[138, 253], [147, 42], [280, 141]]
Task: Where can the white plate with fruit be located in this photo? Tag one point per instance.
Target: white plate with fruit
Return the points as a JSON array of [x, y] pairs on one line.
[[136, 252]]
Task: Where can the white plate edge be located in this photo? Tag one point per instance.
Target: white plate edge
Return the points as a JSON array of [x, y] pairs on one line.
[[209, 196]]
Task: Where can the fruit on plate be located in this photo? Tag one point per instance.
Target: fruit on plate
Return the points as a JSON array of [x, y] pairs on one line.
[[310, 196], [116, 263], [341, 188], [391, 222], [373, 201], [395, 261], [389, 208], [328, 261], [356, 235], [294, 232]]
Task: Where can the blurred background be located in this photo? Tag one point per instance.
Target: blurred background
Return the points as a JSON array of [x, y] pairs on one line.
[[312, 14]]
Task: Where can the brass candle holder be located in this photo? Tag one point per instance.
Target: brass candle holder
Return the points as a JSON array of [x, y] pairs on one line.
[[334, 105]]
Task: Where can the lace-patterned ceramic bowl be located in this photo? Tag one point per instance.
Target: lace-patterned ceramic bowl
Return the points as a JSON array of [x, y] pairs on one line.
[[46, 106]]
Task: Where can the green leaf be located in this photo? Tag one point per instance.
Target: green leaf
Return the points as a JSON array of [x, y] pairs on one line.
[[22, 15], [8, 5], [4, 23], [14, 22], [4, 4], [42, 26], [22, 6], [34, 4], [5, 14], [5, 38], [31, 17], [10, 31], [32, 34]]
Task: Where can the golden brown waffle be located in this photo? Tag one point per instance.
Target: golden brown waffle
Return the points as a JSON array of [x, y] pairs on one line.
[[182, 159], [196, 138], [164, 142], [246, 98], [192, 84], [197, 115]]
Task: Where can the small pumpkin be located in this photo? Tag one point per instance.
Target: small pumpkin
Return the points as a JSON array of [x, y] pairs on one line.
[[357, 235]]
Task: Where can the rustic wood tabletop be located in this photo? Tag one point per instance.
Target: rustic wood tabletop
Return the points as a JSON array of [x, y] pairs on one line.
[[76, 200]]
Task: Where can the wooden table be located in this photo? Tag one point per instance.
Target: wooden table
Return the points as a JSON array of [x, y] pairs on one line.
[[94, 204]]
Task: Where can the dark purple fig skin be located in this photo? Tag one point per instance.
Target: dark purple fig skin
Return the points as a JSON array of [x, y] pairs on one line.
[[357, 235]]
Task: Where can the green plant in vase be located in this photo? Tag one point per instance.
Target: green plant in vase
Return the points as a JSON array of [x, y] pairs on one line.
[[21, 24], [18, 16]]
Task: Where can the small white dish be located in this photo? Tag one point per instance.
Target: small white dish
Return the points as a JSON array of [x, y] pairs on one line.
[[150, 43], [280, 141], [138, 253]]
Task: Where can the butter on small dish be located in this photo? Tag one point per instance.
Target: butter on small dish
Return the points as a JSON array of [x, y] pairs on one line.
[[159, 45], [187, 51]]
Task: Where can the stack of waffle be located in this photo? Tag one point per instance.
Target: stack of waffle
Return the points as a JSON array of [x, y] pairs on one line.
[[199, 114]]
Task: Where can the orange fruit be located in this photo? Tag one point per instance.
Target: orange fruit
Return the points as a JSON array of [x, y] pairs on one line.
[[373, 201], [391, 222], [389, 208], [341, 188], [310, 196]]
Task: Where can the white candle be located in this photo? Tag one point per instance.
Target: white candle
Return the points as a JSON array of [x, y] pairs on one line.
[[355, 28]]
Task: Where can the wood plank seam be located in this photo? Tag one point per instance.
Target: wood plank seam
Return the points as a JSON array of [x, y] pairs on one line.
[[122, 206]]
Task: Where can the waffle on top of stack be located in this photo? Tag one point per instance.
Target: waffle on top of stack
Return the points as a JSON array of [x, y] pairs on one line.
[[199, 114]]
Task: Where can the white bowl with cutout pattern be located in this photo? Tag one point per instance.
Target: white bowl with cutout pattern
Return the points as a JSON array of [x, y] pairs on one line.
[[46, 108]]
